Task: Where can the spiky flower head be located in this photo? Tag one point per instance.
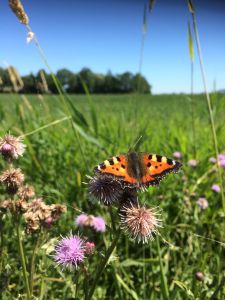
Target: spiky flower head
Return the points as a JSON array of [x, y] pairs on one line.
[[105, 189], [11, 147], [140, 222], [26, 192], [12, 179], [70, 252], [19, 11]]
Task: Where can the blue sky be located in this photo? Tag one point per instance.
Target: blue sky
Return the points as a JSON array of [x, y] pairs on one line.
[[106, 35]]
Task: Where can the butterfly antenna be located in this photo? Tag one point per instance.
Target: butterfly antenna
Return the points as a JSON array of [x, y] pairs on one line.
[[135, 143]]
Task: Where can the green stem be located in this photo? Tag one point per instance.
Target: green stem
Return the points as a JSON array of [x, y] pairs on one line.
[[32, 265], [165, 290], [209, 108], [103, 263], [22, 257]]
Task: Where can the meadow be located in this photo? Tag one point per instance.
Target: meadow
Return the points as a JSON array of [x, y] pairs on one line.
[[64, 141]]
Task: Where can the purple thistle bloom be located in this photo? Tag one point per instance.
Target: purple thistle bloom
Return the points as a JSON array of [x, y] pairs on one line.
[[222, 163], [70, 251], [98, 224], [81, 220], [221, 156], [202, 203], [193, 163], [216, 188], [177, 154]]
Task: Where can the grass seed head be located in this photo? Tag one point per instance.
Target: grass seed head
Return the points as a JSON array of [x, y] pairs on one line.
[[17, 7]]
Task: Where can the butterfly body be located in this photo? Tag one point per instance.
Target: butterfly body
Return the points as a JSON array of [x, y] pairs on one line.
[[138, 169]]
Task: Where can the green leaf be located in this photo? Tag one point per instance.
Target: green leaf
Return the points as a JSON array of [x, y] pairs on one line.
[[183, 286], [127, 288], [190, 43]]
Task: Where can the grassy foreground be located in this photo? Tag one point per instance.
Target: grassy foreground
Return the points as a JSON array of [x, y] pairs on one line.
[[59, 156]]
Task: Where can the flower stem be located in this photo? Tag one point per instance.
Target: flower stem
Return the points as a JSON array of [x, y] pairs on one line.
[[103, 263], [32, 265], [22, 257], [209, 107], [165, 290]]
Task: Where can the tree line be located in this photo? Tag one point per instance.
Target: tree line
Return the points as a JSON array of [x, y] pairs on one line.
[[79, 83]]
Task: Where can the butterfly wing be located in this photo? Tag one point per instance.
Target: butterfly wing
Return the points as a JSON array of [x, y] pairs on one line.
[[157, 167], [117, 168]]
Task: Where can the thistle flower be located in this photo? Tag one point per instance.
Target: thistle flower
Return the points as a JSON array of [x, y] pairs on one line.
[[177, 155], [18, 10], [140, 222], [11, 147], [21, 206], [12, 179], [98, 224], [26, 192], [202, 203], [70, 252], [193, 163], [105, 189], [216, 188], [89, 248], [32, 222]]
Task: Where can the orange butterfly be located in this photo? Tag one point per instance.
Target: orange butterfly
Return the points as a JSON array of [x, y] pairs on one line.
[[138, 170]]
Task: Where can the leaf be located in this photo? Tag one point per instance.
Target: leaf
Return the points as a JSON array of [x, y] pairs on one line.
[[130, 262], [183, 286], [191, 7], [190, 43], [128, 289]]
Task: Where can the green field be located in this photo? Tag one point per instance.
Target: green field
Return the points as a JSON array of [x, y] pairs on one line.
[[63, 146]]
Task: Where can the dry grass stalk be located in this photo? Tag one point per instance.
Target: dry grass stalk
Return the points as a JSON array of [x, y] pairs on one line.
[[19, 11]]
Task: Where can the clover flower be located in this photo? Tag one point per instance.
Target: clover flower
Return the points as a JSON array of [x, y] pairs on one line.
[[193, 163], [11, 147], [70, 252], [140, 222], [97, 223], [177, 155], [216, 188], [12, 179], [202, 203]]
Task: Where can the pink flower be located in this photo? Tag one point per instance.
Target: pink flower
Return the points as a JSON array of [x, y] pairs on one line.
[[221, 156], [177, 154], [222, 163], [99, 224], [202, 203], [212, 160], [81, 219], [193, 163], [89, 248], [216, 188], [11, 147], [70, 251]]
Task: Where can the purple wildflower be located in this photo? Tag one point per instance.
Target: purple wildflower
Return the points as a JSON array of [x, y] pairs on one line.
[[177, 154], [221, 156], [202, 203], [212, 160], [70, 251], [81, 220], [11, 147], [98, 224], [193, 163], [222, 163], [216, 188]]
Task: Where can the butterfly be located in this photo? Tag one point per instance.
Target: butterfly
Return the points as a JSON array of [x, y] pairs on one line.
[[137, 170]]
